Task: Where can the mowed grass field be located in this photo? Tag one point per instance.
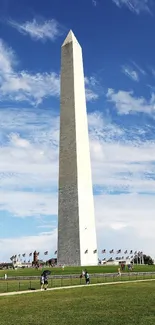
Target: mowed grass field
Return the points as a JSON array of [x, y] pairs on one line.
[[126, 304], [16, 285], [74, 270]]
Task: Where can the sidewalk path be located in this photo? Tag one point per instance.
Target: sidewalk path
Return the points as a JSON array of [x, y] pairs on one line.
[[73, 287]]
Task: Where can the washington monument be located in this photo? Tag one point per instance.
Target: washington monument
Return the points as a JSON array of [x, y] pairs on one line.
[[77, 243]]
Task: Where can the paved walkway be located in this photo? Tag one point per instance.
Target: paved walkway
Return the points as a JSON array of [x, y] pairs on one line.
[[73, 287]]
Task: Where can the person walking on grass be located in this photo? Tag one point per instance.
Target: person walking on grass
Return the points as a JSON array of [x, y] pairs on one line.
[[119, 271], [42, 282], [87, 278], [45, 282]]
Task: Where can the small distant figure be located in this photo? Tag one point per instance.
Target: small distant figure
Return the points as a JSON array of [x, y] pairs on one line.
[[83, 273], [87, 278], [119, 271], [122, 267], [5, 276], [45, 282], [63, 267], [129, 267], [42, 282]]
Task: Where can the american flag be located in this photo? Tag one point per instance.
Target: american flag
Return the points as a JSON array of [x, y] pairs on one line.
[[46, 253], [30, 254], [95, 251], [38, 253], [55, 252], [131, 252], [24, 254], [112, 251], [103, 251], [135, 252], [119, 251], [86, 251], [125, 252]]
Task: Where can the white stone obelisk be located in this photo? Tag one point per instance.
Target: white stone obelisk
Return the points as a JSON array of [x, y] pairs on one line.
[[77, 243]]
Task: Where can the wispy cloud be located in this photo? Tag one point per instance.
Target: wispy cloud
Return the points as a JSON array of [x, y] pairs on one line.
[[152, 70], [30, 159], [143, 72], [136, 6], [91, 86], [21, 85], [94, 3], [129, 72], [33, 88], [125, 102], [27, 243], [45, 30]]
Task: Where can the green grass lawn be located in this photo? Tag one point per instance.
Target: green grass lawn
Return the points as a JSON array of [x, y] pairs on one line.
[[126, 304], [74, 270], [16, 285]]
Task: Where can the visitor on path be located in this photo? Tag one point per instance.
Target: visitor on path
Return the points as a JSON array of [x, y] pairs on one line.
[[45, 282], [83, 273], [122, 267], [119, 271], [5, 276], [87, 278], [42, 282]]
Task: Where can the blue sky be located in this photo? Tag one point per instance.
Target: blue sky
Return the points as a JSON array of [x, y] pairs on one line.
[[119, 63]]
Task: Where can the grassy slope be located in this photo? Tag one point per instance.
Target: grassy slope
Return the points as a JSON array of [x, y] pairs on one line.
[[127, 304], [16, 285], [75, 270]]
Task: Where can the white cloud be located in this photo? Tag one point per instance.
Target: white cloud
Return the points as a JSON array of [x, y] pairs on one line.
[[125, 221], [23, 86], [32, 88], [94, 3], [136, 6], [44, 30], [7, 58], [125, 102], [130, 73], [32, 160], [27, 244], [91, 85], [143, 72], [91, 95], [28, 204]]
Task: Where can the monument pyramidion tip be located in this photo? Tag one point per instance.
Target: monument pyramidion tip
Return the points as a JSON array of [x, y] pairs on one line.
[[70, 38]]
